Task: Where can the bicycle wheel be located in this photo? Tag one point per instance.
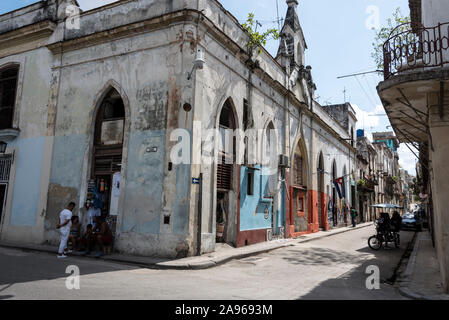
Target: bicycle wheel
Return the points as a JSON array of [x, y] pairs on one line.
[[375, 243], [396, 240]]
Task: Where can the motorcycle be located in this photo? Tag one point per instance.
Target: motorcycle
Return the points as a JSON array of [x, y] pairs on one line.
[[383, 236]]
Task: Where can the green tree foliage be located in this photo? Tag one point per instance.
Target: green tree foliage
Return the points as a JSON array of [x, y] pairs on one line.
[[257, 40], [414, 186], [385, 32]]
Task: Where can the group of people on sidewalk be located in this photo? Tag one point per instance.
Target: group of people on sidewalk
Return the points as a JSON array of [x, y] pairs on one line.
[[97, 234]]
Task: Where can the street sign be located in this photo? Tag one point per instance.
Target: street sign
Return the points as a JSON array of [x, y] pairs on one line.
[[195, 180]]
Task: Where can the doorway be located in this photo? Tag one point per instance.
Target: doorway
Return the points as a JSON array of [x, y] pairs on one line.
[[321, 204], [5, 168], [3, 191], [334, 195], [225, 171], [107, 156]]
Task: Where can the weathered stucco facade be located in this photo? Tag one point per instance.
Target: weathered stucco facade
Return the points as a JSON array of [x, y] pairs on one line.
[[138, 55]]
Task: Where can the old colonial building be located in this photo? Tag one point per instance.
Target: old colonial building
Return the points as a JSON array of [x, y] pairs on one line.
[[115, 114], [367, 177], [386, 145]]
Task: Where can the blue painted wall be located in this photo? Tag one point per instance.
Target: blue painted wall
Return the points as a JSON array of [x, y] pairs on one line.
[[389, 143], [144, 183], [144, 186], [29, 157], [252, 207]]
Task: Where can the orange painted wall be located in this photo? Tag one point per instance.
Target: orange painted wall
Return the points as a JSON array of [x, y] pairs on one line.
[[313, 212]]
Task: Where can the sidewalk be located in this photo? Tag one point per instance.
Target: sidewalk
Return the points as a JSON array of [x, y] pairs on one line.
[[421, 279], [223, 253]]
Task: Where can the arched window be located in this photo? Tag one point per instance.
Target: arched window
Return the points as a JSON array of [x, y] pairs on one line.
[[299, 54], [8, 92], [227, 123], [334, 171], [298, 167], [352, 136], [110, 120], [269, 149], [107, 153], [109, 133]]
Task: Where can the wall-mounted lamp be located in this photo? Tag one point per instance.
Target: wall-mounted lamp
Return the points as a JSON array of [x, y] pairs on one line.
[[198, 63], [3, 146]]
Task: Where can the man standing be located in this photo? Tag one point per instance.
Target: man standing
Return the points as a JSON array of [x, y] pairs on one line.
[[65, 222], [354, 217]]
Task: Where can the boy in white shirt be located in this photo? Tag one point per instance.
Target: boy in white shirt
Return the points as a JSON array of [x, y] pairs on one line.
[[65, 222]]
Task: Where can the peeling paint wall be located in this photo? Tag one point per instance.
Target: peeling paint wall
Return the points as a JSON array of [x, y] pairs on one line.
[[253, 215], [26, 201], [145, 49]]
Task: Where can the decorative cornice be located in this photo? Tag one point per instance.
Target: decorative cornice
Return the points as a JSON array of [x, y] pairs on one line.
[[121, 32], [26, 34]]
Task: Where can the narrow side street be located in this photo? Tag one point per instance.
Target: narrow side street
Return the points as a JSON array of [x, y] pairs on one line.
[[328, 268]]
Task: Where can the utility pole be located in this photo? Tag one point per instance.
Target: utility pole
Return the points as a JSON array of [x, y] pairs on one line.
[[277, 17]]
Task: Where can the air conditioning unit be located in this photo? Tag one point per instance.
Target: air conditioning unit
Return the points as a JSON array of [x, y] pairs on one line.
[[269, 235], [283, 161]]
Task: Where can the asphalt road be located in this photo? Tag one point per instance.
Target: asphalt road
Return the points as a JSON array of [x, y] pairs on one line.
[[328, 268]]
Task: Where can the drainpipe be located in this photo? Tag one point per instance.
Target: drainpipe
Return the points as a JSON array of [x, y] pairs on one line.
[[267, 200], [200, 217]]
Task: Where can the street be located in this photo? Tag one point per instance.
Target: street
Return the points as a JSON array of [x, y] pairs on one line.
[[328, 268]]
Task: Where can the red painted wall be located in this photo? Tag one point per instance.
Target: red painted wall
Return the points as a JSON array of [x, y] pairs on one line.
[[313, 212]]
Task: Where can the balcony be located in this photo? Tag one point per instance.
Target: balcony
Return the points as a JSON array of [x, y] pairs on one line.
[[390, 180], [366, 185], [415, 91], [414, 50]]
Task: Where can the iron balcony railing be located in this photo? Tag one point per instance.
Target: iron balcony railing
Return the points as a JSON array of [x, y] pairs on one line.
[[416, 47]]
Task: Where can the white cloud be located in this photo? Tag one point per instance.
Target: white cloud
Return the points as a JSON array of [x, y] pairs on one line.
[[407, 159], [90, 4], [365, 119]]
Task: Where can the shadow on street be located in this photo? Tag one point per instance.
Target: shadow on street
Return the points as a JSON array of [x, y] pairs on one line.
[[20, 266], [352, 285]]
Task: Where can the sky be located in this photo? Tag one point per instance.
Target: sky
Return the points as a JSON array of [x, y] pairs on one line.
[[339, 37]]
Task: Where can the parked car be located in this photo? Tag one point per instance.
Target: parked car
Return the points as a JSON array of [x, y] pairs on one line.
[[412, 221]]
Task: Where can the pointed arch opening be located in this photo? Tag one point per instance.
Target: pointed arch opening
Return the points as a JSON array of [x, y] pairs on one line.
[[320, 187], [226, 206], [269, 147], [302, 216], [107, 158], [334, 194]]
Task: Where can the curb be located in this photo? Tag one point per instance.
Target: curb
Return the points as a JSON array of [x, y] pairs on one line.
[[365, 225], [220, 261], [404, 290], [207, 264]]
